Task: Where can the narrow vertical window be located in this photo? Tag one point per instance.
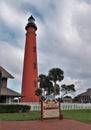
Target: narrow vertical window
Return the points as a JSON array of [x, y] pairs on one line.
[[34, 65], [34, 83], [34, 48]]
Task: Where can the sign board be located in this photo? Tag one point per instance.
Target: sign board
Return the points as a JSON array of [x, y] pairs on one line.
[[50, 109]]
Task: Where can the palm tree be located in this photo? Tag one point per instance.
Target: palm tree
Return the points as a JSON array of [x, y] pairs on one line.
[[38, 93], [44, 82], [43, 79], [56, 74], [49, 83], [56, 89]]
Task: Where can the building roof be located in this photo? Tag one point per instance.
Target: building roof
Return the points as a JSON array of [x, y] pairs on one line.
[[4, 73], [68, 95], [88, 92], [8, 92]]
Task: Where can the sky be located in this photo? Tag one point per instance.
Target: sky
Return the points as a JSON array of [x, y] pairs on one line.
[[63, 39]]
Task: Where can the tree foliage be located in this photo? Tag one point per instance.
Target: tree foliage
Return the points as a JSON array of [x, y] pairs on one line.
[[56, 74], [50, 85], [49, 82], [38, 92], [44, 82], [67, 88], [56, 89]]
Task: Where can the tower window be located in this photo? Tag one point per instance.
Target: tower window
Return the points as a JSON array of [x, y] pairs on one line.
[[34, 65], [34, 49], [34, 83]]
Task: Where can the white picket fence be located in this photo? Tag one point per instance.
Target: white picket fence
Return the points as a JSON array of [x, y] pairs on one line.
[[75, 106], [64, 106]]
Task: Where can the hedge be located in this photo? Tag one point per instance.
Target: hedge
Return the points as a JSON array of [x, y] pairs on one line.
[[14, 108]]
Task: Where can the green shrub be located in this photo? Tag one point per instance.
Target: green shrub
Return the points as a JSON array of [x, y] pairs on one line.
[[14, 108]]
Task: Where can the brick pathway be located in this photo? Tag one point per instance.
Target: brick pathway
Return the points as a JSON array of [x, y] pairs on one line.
[[54, 124]]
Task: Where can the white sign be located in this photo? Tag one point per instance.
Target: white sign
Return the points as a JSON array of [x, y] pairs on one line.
[[50, 109]]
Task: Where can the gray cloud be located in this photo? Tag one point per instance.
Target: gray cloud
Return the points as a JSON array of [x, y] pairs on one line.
[[63, 37]]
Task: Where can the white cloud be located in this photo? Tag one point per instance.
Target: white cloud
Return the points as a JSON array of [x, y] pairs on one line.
[[63, 37], [9, 15], [11, 58]]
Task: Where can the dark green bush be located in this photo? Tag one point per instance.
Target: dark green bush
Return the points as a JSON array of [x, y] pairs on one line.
[[14, 108]]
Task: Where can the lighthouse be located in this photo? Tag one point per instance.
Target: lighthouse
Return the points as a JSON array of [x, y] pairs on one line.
[[30, 71]]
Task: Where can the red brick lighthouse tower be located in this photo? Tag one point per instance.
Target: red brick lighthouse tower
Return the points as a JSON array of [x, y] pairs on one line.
[[30, 72]]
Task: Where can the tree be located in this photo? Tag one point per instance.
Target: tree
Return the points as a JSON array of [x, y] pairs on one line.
[[67, 89], [44, 82], [56, 74], [50, 85], [56, 89], [49, 82], [38, 93]]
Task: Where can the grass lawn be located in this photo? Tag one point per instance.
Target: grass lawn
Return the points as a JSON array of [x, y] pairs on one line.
[[80, 115], [33, 115]]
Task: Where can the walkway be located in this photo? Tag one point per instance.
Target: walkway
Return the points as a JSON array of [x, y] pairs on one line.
[[54, 124]]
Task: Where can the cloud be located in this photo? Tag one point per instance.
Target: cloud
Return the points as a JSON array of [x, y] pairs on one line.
[[63, 37], [10, 16], [11, 58], [67, 42]]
